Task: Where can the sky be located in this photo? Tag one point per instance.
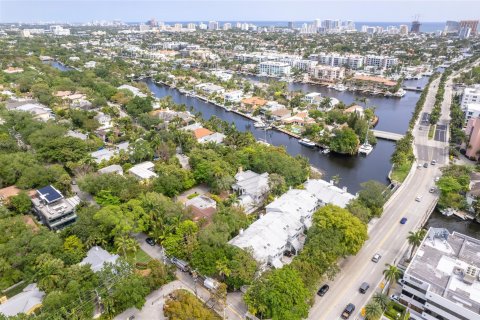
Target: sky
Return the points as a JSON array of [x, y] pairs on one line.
[[234, 10]]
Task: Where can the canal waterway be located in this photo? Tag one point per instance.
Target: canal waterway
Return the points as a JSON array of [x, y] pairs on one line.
[[470, 228], [353, 170]]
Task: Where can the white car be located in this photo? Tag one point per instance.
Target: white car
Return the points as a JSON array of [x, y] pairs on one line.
[[376, 257], [394, 297], [418, 198]]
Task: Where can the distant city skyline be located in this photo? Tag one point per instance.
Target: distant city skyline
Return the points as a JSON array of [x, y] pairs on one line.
[[72, 11]]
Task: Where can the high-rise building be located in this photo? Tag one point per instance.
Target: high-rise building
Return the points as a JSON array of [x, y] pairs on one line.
[[291, 25], [452, 27], [191, 26], [472, 24], [415, 26], [202, 26], [465, 33], [227, 26], [213, 25], [403, 29]]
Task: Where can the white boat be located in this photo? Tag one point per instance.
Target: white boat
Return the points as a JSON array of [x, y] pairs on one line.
[[307, 143], [340, 87], [259, 124], [326, 151], [448, 212], [400, 93], [365, 149]]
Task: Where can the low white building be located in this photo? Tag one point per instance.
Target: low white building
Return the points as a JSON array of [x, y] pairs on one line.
[[210, 88], [328, 193], [281, 229], [274, 68], [136, 92], [114, 168], [97, 257], [143, 171], [251, 188], [233, 96], [90, 64], [313, 98]]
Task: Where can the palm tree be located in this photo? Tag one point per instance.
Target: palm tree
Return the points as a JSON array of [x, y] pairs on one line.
[[381, 299], [415, 239], [392, 274], [132, 246], [122, 244], [373, 311]]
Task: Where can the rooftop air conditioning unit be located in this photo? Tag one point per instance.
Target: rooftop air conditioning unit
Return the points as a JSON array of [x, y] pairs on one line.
[[470, 275]]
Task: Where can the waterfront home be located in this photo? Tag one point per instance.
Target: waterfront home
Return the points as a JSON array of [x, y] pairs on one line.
[[327, 73], [252, 104], [281, 114], [363, 82], [355, 109], [26, 302], [314, 98], [233, 96], [136, 92], [168, 115], [251, 188], [143, 171], [53, 209], [210, 88], [97, 257], [328, 192], [300, 118]]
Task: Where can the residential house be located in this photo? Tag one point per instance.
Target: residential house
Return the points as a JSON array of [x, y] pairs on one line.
[[97, 257], [280, 230], [314, 98], [27, 302], [106, 154], [210, 88], [215, 137], [300, 118], [233, 96], [281, 114], [38, 110], [252, 104], [53, 209], [114, 168], [369, 82], [168, 115], [143, 171], [136, 92], [328, 193], [251, 188], [355, 109], [202, 207]]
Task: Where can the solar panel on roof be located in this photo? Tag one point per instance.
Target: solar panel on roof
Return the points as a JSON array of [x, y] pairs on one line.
[[49, 194]]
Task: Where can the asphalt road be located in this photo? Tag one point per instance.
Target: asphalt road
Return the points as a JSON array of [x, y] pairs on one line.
[[387, 235]]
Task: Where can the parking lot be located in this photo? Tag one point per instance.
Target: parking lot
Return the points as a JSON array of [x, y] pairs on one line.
[[441, 133]]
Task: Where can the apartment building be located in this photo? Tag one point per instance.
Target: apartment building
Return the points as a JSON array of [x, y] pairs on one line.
[[470, 95], [380, 62], [327, 73], [443, 279], [274, 68]]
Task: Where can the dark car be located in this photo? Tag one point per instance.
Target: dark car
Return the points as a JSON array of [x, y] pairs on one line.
[[321, 292], [347, 312], [364, 287], [403, 220], [425, 165], [150, 241]]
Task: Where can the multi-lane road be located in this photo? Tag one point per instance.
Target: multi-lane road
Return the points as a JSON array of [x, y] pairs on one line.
[[387, 236]]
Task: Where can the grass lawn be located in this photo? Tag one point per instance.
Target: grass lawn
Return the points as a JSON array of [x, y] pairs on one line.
[[399, 173], [431, 131], [141, 256]]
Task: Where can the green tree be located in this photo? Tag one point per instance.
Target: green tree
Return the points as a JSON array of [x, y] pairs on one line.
[[278, 294], [392, 274], [185, 306], [74, 249], [373, 196], [373, 311], [415, 239], [382, 299], [344, 141], [21, 203]]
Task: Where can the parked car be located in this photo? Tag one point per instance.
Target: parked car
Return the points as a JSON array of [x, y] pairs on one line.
[[150, 241], [364, 287], [434, 162], [376, 257], [425, 165], [182, 265], [403, 220], [348, 311], [432, 190], [394, 297], [418, 198], [321, 292]]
